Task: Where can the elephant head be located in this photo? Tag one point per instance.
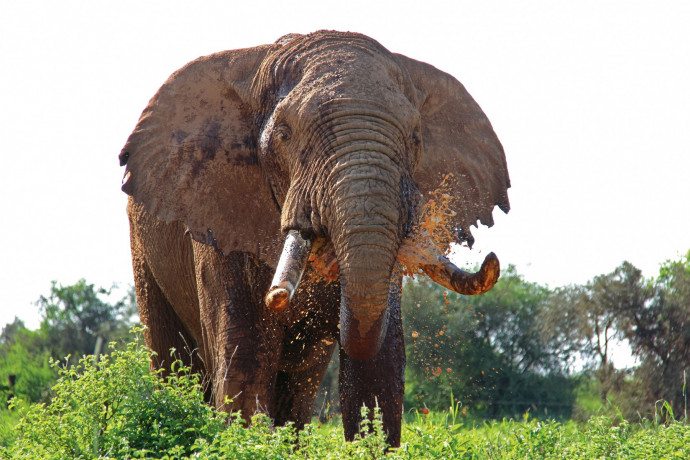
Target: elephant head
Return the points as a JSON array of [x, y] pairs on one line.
[[321, 137]]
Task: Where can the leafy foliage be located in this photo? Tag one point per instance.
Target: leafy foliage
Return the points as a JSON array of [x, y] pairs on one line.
[[593, 315], [652, 316], [659, 333], [507, 353], [75, 316], [73, 319], [24, 363], [490, 350], [118, 408]]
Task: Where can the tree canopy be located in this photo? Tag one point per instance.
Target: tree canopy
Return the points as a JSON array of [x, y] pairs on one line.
[[489, 350]]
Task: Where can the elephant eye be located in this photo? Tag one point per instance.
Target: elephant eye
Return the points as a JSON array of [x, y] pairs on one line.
[[283, 132], [415, 138]]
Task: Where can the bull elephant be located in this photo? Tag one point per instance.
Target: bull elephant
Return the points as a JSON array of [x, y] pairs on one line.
[[275, 195]]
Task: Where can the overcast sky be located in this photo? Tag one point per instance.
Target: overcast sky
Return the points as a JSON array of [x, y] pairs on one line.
[[589, 98]]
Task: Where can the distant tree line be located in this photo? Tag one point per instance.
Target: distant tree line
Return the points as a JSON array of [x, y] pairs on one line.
[[521, 347], [651, 315]]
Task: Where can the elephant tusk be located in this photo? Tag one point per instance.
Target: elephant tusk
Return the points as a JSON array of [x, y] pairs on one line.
[[291, 265]]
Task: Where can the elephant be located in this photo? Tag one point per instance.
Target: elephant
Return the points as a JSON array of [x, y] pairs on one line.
[[276, 199]]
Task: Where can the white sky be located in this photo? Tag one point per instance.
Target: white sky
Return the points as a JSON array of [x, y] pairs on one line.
[[589, 98]]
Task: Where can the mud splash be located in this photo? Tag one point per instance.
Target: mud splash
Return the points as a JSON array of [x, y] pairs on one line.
[[435, 222], [433, 233], [323, 260]]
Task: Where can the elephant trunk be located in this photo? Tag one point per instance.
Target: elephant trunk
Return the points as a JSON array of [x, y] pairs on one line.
[[420, 253], [365, 278], [364, 227], [445, 273]]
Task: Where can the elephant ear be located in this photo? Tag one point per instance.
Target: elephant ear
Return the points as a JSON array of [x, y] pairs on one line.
[[458, 142], [193, 156]]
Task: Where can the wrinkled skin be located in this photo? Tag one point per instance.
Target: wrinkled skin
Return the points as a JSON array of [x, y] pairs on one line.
[[334, 137]]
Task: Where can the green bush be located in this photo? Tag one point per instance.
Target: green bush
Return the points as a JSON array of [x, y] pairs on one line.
[[119, 408], [24, 357]]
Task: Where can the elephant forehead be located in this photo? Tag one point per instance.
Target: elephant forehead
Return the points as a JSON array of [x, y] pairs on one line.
[[354, 74], [336, 62]]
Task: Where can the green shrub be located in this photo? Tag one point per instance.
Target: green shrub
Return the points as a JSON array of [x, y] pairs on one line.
[[24, 356], [119, 408]]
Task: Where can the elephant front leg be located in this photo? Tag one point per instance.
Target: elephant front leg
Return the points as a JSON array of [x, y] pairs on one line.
[[380, 380], [244, 369], [296, 391], [241, 337]]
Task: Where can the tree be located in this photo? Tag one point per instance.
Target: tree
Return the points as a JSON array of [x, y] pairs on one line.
[[659, 333], [10, 331], [490, 350], [652, 315], [24, 363], [590, 318], [75, 316]]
